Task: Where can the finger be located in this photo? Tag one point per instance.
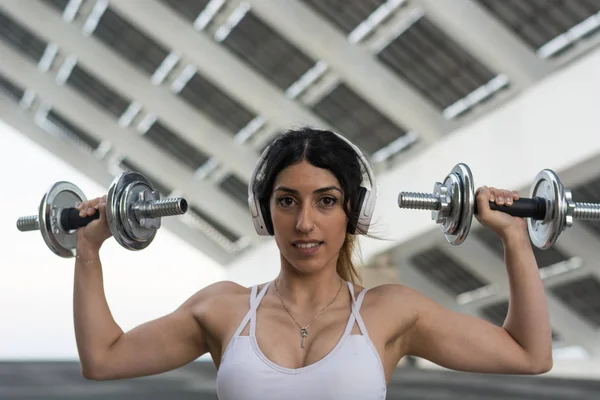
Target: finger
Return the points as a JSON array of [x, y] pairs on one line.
[[508, 197], [88, 207], [91, 211], [502, 197], [99, 202], [515, 195], [84, 205], [496, 196], [81, 205], [492, 194]]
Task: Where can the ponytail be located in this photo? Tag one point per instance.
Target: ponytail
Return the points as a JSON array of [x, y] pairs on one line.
[[345, 264]]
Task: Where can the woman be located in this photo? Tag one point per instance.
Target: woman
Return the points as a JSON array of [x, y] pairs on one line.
[[313, 332]]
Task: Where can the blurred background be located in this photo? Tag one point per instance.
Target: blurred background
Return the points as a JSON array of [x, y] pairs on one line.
[[189, 92]]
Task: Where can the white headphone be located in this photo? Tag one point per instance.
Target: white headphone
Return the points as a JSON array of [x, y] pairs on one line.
[[365, 202]]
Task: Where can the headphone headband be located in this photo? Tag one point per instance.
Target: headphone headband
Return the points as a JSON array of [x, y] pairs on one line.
[[366, 199]]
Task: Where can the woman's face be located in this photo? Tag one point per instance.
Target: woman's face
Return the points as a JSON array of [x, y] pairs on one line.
[[309, 222]]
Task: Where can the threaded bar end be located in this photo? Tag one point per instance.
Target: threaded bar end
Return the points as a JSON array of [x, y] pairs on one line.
[[29, 223], [419, 201], [163, 208], [587, 212]]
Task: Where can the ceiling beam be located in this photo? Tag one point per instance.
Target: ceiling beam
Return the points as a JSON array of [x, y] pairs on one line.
[[410, 276], [126, 140], [123, 77], [216, 63], [487, 39], [581, 242], [475, 256], [23, 121], [479, 260], [357, 67]]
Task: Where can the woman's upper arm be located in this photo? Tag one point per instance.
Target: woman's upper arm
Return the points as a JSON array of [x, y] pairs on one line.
[[160, 345], [458, 341]]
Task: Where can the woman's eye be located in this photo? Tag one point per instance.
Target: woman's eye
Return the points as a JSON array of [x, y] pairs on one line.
[[328, 201], [286, 201]]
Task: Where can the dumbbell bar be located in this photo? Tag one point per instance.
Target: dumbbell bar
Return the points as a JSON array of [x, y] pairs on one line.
[[133, 210], [549, 210]]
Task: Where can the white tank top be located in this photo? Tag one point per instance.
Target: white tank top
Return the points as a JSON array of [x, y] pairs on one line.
[[351, 371]]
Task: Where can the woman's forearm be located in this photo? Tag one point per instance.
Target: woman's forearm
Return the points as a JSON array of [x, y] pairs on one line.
[[528, 320], [95, 328]]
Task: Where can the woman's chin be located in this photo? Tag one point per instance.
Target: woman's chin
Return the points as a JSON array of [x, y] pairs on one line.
[[309, 265]]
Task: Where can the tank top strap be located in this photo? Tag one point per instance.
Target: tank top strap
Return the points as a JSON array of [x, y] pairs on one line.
[[360, 298], [242, 325], [255, 304], [253, 294], [351, 317], [356, 308], [351, 289]]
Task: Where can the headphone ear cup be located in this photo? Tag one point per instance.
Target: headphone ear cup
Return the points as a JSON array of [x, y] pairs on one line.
[[356, 210], [266, 215]]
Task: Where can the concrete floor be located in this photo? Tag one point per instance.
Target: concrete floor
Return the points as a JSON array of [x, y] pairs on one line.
[[62, 380]]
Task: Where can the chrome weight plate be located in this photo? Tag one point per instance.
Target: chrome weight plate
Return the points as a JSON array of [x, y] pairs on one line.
[[463, 197], [448, 215], [125, 190], [140, 229], [60, 196], [544, 233]]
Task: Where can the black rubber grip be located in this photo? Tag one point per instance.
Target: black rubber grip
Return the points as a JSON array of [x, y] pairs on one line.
[[525, 208], [70, 219]]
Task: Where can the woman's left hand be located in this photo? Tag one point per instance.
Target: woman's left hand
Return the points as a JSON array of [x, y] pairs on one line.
[[499, 222]]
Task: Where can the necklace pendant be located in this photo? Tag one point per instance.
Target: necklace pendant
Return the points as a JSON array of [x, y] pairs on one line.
[[303, 333]]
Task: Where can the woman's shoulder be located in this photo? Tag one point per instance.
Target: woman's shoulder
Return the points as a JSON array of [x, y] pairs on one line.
[[222, 297], [216, 305], [219, 292], [391, 296], [392, 309]]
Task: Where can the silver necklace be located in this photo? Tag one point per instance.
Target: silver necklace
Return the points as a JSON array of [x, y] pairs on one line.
[[304, 329]]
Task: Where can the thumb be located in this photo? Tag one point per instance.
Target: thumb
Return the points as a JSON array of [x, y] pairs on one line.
[[483, 197], [102, 210], [103, 220], [103, 217]]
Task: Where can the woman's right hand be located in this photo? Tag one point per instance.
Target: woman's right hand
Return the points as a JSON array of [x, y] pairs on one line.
[[96, 232]]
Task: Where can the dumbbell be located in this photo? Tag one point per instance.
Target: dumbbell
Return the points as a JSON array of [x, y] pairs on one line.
[[549, 210], [133, 210]]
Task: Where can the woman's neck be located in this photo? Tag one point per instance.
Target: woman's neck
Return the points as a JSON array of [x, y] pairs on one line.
[[308, 291]]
